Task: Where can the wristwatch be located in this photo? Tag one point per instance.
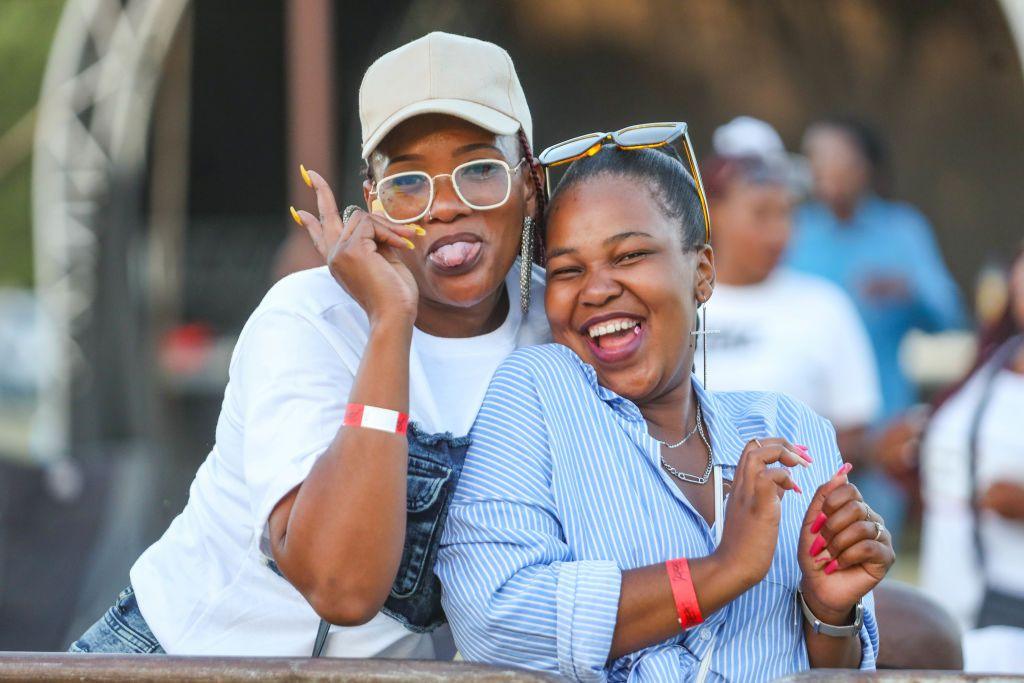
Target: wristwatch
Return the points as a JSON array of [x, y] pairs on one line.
[[828, 629]]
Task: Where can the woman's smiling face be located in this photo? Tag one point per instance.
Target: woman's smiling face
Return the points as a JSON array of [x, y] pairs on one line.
[[621, 291]]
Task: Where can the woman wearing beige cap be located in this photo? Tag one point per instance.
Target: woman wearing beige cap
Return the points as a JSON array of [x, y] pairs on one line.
[[341, 435]]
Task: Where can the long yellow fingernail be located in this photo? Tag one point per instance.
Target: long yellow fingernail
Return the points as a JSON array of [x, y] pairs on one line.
[[305, 176], [409, 243], [377, 207], [295, 215]]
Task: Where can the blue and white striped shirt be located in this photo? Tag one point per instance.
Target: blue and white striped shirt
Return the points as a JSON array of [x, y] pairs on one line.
[[562, 490]]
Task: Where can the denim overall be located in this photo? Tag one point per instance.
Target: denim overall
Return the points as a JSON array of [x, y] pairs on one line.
[[435, 463]]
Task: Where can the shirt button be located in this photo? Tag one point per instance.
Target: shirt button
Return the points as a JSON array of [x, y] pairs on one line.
[[705, 634]]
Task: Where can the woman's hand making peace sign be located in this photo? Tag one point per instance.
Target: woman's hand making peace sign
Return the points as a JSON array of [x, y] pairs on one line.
[[362, 254]]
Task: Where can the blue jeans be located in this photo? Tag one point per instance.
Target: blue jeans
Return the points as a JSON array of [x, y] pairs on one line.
[[122, 630]]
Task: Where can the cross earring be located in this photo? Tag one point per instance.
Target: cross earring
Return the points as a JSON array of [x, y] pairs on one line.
[[702, 332]]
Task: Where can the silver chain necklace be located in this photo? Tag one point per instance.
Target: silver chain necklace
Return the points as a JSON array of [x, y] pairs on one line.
[[686, 438], [684, 476]]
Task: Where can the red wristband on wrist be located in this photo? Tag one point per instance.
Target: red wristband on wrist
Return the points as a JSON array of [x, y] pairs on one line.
[[371, 417], [682, 590]]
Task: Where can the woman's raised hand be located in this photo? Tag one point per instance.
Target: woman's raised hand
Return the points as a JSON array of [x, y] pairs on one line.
[[361, 255], [752, 523], [844, 550]]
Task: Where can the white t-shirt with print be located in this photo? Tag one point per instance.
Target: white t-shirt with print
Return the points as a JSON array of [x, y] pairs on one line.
[[795, 334], [204, 587]]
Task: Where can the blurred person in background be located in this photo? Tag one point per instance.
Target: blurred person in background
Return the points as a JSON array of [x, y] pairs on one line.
[[882, 253], [778, 329], [972, 465]]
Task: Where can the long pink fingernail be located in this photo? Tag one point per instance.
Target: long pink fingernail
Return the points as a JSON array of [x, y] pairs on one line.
[[845, 469], [831, 566], [802, 452], [797, 488], [819, 522], [818, 545]]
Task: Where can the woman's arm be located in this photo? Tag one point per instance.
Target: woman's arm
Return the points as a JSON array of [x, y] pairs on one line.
[[1005, 498], [338, 536], [647, 613]]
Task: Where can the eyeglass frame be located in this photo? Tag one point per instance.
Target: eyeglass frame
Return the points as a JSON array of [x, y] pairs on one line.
[[679, 129], [510, 170]]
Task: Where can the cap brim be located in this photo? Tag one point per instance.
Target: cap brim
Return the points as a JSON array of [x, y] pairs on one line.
[[477, 114]]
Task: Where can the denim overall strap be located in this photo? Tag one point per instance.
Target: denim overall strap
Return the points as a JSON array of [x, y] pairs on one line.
[[435, 464]]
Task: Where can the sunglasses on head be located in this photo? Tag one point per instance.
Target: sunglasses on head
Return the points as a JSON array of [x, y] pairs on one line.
[[641, 136]]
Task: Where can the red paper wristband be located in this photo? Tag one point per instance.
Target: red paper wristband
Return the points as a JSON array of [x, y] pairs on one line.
[[372, 417], [682, 591]]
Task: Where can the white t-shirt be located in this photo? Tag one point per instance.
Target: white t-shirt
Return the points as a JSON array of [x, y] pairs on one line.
[[794, 334], [949, 569], [204, 587]]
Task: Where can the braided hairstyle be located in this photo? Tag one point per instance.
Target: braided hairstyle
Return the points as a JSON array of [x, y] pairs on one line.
[[542, 199]]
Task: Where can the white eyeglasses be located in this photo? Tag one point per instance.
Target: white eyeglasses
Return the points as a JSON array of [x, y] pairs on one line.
[[481, 184]]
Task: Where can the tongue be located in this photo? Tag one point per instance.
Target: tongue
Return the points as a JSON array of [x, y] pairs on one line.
[[617, 340], [455, 254]]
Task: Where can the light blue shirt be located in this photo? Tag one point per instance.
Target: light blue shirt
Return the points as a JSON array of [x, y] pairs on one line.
[[888, 239], [562, 490]]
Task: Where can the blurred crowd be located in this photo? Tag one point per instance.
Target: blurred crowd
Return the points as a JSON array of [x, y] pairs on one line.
[[820, 279]]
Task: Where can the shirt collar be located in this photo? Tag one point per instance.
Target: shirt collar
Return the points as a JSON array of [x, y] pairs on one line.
[[726, 442]]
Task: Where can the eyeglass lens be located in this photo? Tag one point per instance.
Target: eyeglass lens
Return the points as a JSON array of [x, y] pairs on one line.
[[482, 184], [644, 135], [569, 149]]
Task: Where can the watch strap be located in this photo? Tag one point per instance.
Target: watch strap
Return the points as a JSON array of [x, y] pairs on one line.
[[828, 629]]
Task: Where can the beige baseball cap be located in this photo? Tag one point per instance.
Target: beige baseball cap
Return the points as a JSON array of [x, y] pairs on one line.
[[442, 73]]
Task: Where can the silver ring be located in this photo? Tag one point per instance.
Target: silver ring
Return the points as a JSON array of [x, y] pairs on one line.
[[878, 530], [759, 444], [347, 213]]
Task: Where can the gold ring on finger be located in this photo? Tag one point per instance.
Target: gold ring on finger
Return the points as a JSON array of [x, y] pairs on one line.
[[347, 213]]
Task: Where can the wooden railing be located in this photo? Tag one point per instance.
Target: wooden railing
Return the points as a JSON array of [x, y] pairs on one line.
[[893, 676], [90, 668]]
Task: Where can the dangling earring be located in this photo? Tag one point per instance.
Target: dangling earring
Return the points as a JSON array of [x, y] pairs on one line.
[[525, 264], [704, 341], [702, 331]]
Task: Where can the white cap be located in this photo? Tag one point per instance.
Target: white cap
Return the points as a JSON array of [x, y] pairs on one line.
[[442, 73], [746, 136]]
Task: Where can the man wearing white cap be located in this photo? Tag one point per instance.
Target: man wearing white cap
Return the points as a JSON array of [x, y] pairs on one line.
[[340, 438]]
